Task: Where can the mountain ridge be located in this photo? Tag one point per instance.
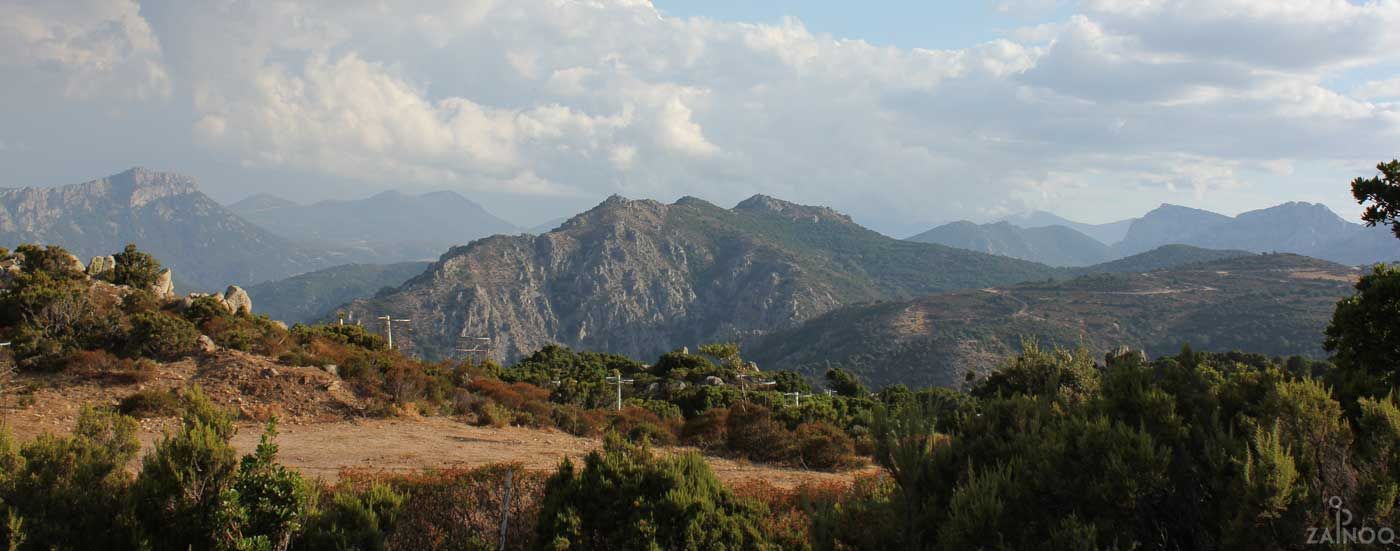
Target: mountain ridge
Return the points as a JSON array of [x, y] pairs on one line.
[[639, 277]]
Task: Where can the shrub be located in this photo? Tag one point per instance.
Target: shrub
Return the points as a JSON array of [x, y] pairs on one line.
[[627, 498], [822, 446], [353, 519], [461, 508], [161, 336], [273, 498], [151, 403], [135, 268], [753, 433], [637, 424], [707, 431], [71, 491], [180, 494]]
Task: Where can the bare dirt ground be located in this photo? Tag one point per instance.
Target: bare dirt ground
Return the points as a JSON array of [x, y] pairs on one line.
[[321, 431]]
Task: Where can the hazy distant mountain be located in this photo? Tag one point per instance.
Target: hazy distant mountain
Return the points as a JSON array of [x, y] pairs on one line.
[[1107, 234], [642, 277], [1168, 224], [1053, 245], [1271, 304], [205, 244], [387, 227], [1160, 258], [1301, 228], [547, 226], [313, 296]]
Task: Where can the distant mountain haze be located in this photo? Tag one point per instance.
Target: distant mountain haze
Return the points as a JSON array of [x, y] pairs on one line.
[[639, 277], [1301, 228], [387, 227], [1108, 234], [1053, 245], [313, 296], [206, 245]]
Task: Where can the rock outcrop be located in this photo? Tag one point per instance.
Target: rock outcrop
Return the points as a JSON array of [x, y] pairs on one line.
[[101, 265], [236, 299], [164, 286]]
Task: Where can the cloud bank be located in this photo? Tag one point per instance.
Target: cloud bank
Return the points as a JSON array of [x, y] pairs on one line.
[[1223, 104]]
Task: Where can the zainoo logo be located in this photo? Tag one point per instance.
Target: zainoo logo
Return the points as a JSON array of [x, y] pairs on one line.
[[1342, 532]]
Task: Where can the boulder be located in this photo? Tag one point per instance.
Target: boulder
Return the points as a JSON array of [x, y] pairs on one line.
[[164, 286], [714, 381], [75, 263], [237, 300], [101, 265], [207, 345], [280, 324]]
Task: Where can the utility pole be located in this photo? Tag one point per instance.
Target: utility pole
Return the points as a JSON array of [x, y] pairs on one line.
[[617, 379], [797, 397], [479, 346], [745, 381], [389, 328]]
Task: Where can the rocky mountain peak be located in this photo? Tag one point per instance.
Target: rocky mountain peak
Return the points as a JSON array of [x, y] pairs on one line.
[[140, 186], [763, 204]]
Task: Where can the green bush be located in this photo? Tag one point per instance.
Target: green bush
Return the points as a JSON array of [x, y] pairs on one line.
[[71, 491], [161, 336], [135, 268], [151, 403], [181, 496], [625, 498], [359, 520]]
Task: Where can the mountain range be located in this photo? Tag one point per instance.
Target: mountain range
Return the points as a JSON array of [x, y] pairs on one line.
[[1276, 304], [1109, 233], [639, 277], [206, 245], [387, 227], [1300, 228]]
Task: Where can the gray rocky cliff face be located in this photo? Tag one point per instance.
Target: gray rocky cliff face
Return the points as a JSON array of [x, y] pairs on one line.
[[623, 277], [641, 278]]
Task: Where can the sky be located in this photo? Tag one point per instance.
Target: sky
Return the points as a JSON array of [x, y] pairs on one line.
[[902, 114]]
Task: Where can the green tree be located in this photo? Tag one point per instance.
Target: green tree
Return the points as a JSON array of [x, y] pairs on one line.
[[135, 269], [1382, 192], [845, 383], [790, 381], [1364, 335], [625, 498]]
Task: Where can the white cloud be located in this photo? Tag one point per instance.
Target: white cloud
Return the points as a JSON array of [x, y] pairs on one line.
[[91, 46], [1379, 89], [1135, 101]]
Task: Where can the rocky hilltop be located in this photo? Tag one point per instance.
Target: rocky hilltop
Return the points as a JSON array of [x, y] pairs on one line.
[[207, 245], [639, 277]]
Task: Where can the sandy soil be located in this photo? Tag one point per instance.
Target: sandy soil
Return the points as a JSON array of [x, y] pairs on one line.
[[320, 435]]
